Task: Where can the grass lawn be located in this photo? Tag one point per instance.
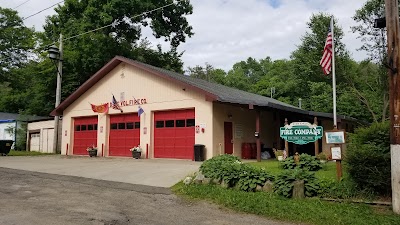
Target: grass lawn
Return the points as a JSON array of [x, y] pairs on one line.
[[26, 153], [273, 166], [309, 211]]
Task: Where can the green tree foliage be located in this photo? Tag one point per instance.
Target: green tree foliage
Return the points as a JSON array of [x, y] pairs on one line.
[[368, 158], [374, 40], [373, 93], [16, 41], [208, 73], [85, 54]]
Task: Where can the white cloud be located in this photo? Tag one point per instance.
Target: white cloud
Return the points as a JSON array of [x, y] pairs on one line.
[[227, 31]]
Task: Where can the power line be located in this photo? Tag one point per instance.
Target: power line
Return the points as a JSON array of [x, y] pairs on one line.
[[21, 4], [42, 10], [113, 24], [116, 22]]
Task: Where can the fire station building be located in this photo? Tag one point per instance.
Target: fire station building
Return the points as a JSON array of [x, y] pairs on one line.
[[178, 112]]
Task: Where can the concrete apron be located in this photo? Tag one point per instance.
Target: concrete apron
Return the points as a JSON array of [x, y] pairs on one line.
[[152, 172]]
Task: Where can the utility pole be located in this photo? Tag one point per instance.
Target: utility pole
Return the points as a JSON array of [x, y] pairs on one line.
[[58, 95], [392, 23]]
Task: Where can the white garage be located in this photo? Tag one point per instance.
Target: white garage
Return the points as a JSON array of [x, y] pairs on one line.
[[41, 135]]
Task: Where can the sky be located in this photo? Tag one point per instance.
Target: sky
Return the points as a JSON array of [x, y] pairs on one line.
[[229, 31]]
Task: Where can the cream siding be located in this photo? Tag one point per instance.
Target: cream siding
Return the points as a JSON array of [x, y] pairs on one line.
[[160, 94], [244, 122], [45, 130]]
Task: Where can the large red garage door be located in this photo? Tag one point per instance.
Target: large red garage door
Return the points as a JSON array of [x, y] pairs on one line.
[[124, 134], [174, 134], [85, 134]]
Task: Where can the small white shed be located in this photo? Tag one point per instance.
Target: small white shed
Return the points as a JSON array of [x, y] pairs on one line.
[[41, 135]]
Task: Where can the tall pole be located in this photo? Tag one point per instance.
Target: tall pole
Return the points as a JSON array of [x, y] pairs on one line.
[[393, 42], [333, 75], [58, 96]]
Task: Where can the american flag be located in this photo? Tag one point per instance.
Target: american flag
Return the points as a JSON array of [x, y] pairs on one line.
[[326, 60], [115, 104]]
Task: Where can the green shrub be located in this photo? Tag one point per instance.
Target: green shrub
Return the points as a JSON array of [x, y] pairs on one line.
[[344, 189], [306, 162], [284, 182], [368, 158], [214, 167], [232, 171], [252, 176]]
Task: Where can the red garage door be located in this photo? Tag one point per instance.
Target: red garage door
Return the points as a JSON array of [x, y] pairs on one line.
[[174, 134], [85, 134], [124, 134]]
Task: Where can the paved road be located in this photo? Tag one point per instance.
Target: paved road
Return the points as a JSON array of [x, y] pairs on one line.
[[31, 198], [152, 172]]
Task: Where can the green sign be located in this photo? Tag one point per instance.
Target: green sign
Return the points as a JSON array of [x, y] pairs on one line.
[[301, 132]]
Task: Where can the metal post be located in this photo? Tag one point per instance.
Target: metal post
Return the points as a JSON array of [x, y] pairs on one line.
[[286, 142], [58, 96], [393, 41], [316, 143], [258, 142], [333, 75]]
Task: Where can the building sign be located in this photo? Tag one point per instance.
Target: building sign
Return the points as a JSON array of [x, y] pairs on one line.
[[130, 102], [336, 153], [335, 137], [301, 132]]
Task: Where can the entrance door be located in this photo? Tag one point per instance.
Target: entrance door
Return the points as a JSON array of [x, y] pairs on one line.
[[228, 134]]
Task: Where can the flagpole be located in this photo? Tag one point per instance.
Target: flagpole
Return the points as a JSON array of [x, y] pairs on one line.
[[333, 77]]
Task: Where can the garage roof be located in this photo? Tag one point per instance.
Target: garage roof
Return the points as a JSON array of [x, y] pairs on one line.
[[212, 91], [17, 117]]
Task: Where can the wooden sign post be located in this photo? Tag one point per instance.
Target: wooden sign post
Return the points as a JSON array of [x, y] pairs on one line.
[[336, 137]]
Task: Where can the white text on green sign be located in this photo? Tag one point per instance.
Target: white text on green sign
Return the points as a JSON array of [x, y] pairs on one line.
[[301, 132]]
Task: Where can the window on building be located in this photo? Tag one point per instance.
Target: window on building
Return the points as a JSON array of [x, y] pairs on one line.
[[94, 126], [77, 127], [129, 126], [83, 127], [90, 127], [180, 123], [137, 125], [190, 123], [114, 126], [169, 123], [121, 126], [160, 124]]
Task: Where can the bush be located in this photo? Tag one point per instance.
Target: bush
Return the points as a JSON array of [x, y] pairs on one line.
[[251, 176], [306, 162], [215, 167], [368, 158], [284, 182], [344, 189], [232, 171]]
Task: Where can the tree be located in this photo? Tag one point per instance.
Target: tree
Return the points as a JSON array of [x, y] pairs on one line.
[[374, 40], [373, 90], [208, 73], [307, 56], [86, 53], [16, 41]]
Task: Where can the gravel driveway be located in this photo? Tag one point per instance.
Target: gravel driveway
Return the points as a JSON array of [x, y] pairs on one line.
[[38, 198]]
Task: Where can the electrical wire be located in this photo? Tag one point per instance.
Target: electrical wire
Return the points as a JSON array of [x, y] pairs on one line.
[[42, 10], [99, 28], [116, 22], [21, 4]]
